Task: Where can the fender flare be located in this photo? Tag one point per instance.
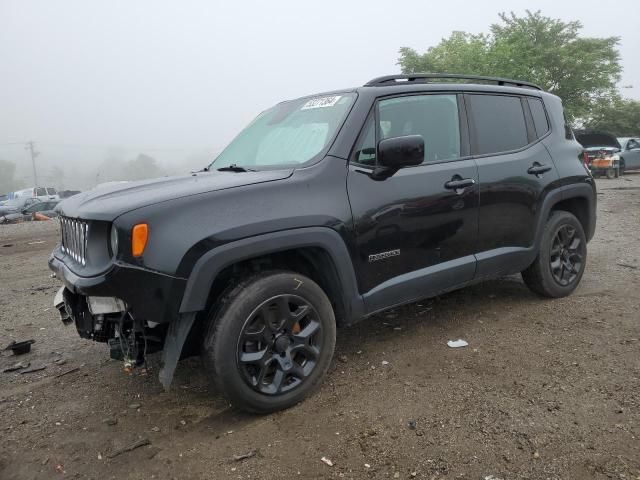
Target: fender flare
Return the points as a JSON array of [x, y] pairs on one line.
[[214, 261], [577, 190]]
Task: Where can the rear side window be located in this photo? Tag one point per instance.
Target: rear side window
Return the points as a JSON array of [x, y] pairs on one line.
[[498, 123], [41, 192], [539, 116]]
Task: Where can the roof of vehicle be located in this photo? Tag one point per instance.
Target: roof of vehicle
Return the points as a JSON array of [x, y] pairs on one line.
[[390, 84], [438, 77]]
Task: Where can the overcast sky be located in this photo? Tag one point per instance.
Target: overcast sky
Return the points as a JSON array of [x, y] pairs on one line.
[[190, 74]]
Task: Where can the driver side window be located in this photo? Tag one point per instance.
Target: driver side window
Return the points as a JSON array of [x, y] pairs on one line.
[[434, 117]]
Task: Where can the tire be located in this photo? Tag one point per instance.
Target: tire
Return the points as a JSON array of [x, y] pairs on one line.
[[259, 361], [542, 275], [611, 173], [622, 166]]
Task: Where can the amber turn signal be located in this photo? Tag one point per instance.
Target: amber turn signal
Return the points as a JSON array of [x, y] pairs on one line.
[[139, 236]]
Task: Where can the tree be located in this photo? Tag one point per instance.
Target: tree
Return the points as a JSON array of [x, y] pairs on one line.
[[549, 52], [8, 182], [620, 118], [141, 168]]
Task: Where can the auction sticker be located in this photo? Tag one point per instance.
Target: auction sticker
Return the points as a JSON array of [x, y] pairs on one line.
[[321, 102]]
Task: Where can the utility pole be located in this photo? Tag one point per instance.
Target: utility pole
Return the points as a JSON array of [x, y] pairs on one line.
[[29, 146]]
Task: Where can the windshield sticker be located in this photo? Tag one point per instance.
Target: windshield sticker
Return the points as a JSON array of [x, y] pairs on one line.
[[321, 102]]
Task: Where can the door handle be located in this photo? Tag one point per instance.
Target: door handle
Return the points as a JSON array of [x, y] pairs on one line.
[[537, 169], [457, 183]]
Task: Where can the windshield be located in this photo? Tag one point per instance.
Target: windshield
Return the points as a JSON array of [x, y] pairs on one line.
[[290, 133]]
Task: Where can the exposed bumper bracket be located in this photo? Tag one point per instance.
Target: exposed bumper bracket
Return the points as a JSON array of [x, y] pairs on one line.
[[174, 341]]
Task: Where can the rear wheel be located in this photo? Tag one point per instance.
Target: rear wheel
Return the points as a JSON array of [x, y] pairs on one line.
[[271, 341], [560, 264], [622, 166]]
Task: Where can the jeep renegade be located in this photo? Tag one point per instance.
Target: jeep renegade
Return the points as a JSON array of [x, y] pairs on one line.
[[323, 211]]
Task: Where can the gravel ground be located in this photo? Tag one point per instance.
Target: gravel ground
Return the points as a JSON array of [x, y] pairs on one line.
[[546, 389]]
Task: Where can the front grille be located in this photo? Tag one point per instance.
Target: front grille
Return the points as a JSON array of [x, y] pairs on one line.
[[74, 238]]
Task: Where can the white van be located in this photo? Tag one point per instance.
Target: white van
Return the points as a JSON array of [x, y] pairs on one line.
[[41, 193]]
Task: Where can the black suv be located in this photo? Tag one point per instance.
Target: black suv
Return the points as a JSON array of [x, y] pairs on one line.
[[325, 210]]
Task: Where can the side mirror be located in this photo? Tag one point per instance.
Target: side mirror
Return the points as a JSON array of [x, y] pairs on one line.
[[400, 152], [396, 153]]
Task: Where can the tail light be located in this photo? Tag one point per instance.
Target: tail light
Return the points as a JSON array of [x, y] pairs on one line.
[[585, 158]]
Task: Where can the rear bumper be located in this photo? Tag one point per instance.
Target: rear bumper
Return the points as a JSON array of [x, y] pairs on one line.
[[149, 295]]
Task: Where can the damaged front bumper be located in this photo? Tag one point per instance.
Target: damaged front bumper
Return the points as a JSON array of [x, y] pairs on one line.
[[150, 295], [132, 309]]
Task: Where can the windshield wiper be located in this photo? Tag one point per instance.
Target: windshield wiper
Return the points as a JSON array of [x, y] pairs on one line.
[[235, 168]]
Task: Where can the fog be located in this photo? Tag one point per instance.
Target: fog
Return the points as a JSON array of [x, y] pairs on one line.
[[95, 84]]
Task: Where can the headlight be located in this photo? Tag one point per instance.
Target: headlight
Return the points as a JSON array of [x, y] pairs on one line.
[[113, 240], [615, 157]]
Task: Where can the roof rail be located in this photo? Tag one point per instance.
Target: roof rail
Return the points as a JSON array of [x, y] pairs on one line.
[[425, 77]]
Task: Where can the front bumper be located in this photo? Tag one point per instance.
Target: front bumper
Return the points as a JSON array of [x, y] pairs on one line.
[[149, 295]]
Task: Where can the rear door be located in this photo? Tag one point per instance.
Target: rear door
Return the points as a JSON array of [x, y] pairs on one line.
[[415, 231], [515, 172]]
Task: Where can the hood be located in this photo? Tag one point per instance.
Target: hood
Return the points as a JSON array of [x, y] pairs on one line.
[[110, 201], [597, 140]]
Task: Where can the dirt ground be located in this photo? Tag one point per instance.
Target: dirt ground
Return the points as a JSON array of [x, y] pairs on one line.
[[546, 389]]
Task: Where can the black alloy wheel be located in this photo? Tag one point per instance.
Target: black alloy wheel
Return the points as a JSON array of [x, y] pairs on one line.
[[280, 344], [566, 256], [269, 340], [562, 256]]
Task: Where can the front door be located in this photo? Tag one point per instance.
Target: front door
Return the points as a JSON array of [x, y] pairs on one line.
[[415, 231]]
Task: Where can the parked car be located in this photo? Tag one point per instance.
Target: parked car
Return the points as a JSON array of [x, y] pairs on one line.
[[325, 210], [43, 208], [42, 193], [629, 153], [18, 204], [602, 152], [37, 211]]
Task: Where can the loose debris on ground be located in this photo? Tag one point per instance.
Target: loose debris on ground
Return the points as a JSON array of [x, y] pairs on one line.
[[132, 446]]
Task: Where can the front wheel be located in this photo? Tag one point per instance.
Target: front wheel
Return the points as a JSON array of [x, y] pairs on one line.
[[611, 173], [271, 341], [560, 264]]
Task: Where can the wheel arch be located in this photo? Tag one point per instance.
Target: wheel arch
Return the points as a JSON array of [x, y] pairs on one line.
[[317, 252], [578, 207], [577, 199]]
